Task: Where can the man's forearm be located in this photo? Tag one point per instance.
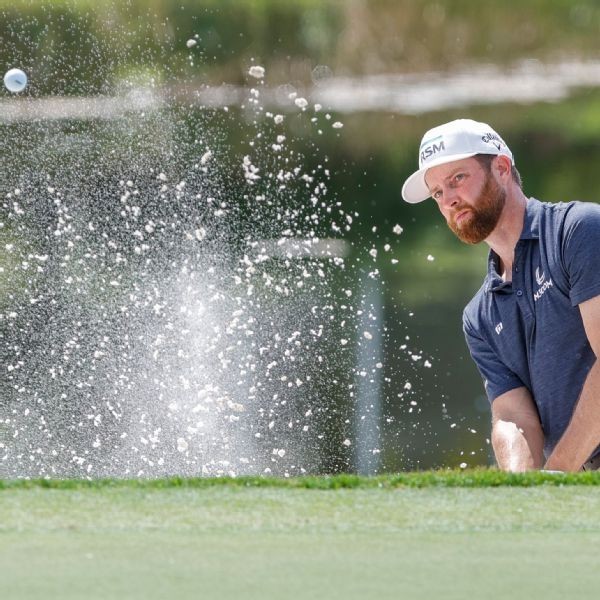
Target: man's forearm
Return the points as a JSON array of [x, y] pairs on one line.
[[582, 436], [517, 448]]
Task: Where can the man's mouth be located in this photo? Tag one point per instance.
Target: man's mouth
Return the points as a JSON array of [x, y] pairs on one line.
[[461, 215]]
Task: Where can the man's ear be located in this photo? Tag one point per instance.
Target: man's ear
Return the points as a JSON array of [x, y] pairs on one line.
[[502, 165]]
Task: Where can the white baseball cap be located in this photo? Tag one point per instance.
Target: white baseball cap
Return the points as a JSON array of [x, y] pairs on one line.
[[449, 142]]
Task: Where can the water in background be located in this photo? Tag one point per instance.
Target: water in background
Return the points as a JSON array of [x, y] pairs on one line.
[[207, 280]]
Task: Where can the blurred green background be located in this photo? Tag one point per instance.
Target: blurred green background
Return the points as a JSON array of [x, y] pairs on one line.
[[84, 48]]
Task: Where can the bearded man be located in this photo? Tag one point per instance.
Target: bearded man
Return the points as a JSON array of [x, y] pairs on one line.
[[533, 328]]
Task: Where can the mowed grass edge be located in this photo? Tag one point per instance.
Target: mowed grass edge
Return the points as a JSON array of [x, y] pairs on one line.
[[310, 537], [475, 478]]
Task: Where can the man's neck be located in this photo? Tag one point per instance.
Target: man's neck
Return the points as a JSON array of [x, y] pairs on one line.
[[506, 234]]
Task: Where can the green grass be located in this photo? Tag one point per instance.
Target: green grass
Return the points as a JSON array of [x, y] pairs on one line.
[[418, 479], [413, 535]]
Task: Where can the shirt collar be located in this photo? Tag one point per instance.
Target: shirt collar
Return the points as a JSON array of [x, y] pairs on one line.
[[494, 281], [531, 223], [531, 231]]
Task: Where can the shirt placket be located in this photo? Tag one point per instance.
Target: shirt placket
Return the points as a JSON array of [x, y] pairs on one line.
[[520, 288]]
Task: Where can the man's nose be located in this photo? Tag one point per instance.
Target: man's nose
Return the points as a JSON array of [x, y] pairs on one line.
[[450, 198]]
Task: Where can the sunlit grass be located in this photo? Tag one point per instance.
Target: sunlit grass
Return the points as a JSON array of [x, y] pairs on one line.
[[413, 535]]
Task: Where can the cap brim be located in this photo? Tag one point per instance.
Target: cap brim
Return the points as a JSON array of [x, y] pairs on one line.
[[415, 189]]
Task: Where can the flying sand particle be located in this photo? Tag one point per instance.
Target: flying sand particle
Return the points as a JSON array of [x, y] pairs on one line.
[[206, 157], [256, 71]]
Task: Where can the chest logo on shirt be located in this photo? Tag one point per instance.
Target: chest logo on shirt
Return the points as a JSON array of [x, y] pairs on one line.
[[540, 278], [543, 283]]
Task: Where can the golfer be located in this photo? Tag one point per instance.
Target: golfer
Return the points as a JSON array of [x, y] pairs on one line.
[[533, 328]]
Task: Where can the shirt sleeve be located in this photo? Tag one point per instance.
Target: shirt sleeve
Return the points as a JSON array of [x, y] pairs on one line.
[[581, 251], [497, 377]]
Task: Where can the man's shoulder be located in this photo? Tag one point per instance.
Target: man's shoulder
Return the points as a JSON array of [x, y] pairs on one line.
[[555, 223], [565, 222], [569, 213], [581, 212]]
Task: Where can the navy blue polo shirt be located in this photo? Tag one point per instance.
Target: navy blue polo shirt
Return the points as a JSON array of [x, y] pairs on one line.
[[529, 332]]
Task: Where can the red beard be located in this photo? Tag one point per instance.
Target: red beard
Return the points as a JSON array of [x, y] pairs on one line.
[[482, 217]]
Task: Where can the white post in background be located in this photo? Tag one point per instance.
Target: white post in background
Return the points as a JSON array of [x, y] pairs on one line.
[[369, 374]]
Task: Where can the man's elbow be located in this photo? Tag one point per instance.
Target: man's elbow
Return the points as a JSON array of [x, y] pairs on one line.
[[517, 446], [506, 435]]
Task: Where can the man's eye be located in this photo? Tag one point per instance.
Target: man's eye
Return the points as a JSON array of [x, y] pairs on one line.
[[459, 177], [437, 195]]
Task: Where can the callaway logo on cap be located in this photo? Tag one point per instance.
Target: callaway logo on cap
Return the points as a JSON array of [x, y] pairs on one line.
[[449, 142]]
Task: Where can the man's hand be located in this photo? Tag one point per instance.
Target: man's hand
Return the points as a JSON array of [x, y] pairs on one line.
[[582, 436], [517, 436]]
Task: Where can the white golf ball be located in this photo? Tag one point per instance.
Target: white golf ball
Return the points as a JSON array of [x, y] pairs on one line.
[[15, 80]]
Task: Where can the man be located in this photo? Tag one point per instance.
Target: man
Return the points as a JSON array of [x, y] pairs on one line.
[[533, 328]]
